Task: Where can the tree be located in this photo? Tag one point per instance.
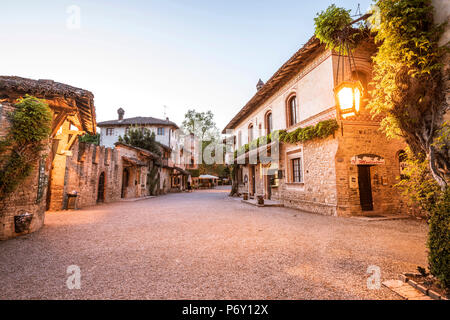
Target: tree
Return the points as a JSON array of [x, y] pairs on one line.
[[408, 82], [90, 138], [201, 124], [141, 138]]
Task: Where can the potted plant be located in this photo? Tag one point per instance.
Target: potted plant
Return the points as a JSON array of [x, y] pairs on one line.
[[260, 199]]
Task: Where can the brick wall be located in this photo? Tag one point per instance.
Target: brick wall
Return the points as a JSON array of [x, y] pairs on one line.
[[25, 198]]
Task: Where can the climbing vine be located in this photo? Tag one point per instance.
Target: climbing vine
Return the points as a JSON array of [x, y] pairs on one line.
[[20, 148], [321, 130], [408, 90]]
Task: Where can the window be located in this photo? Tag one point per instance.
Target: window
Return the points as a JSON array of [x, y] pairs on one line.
[[160, 131], [402, 157], [297, 170], [250, 133], [239, 139], [109, 131], [269, 126], [292, 111]]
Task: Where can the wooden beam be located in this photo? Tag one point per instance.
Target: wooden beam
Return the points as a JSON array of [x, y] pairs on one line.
[[57, 123]]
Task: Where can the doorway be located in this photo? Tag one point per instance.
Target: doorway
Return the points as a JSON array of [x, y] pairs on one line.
[[365, 188], [101, 188], [253, 180], [125, 179]]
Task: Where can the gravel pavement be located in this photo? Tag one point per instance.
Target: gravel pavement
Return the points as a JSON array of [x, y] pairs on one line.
[[204, 245]]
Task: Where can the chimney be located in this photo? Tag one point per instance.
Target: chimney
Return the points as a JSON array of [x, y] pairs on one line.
[[259, 85], [120, 112], [167, 119]]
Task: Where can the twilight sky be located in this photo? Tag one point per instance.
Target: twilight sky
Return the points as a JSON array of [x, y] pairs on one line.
[[142, 55]]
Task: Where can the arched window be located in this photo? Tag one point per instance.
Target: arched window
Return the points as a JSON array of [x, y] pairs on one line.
[[292, 111], [250, 133], [269, 125]]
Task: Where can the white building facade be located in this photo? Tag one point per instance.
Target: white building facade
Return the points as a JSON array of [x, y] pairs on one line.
[[164, 130]]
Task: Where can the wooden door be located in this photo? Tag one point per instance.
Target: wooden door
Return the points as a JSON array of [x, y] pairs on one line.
[[253, 180], [365, 188]]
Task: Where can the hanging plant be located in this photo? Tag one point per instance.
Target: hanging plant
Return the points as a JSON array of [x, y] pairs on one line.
[[329, 24], [333, 27]]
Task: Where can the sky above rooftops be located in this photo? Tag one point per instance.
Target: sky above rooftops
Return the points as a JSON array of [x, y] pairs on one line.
[[144, 55]]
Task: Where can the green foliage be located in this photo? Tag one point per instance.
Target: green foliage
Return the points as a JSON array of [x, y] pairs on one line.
[[141, 138], [407, 82], [89, 138], [439, 240], [329, 23], [408, 94], [20, 149], [417, 184], [195, 173], [320, 131], [201, 124], [153, 179]]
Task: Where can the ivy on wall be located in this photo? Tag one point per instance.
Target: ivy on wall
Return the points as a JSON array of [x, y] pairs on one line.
[[321, 130], [20, 148]]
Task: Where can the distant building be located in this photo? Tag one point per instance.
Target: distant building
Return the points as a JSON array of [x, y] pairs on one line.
[[178, 149], [164, 130]]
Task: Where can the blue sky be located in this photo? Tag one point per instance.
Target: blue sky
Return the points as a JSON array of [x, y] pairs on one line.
[[142, 55]]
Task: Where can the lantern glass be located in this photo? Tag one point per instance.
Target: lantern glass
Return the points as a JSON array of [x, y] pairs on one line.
[[345, 97], [348, 97]]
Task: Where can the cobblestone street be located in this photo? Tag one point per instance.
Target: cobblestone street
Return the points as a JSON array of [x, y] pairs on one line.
[[204, 245]]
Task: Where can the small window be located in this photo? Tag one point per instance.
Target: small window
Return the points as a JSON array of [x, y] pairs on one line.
[[109, 131], [160, 131], [269, 126], [292, 111], [250, 133], [297, 170]]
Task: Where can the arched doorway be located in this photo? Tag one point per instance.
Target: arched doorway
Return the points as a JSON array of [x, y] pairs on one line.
[[101, 188], [125, 179]]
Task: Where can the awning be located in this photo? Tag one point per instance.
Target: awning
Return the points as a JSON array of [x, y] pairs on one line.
[[134, 161], [207, 176], [183, 172]]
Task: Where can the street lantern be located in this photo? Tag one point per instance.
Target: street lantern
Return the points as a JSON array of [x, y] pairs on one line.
[[348, 95]]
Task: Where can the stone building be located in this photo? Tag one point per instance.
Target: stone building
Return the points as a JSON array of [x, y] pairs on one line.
[[96, 174], [352, 172], [73, 114]]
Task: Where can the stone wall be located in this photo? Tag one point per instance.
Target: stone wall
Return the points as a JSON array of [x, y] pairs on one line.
[[25, 198], [317, 193], [366, 138], [83, 170]]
